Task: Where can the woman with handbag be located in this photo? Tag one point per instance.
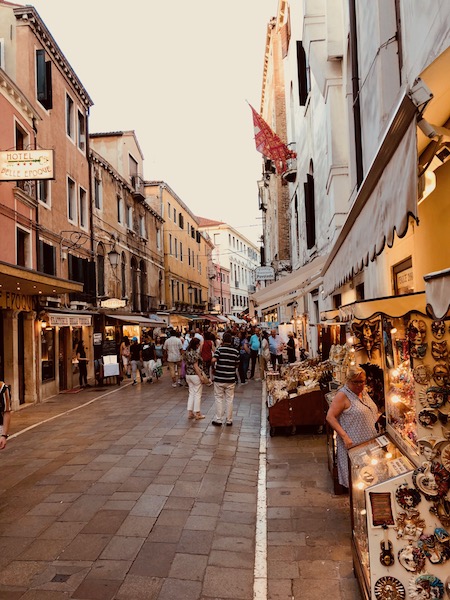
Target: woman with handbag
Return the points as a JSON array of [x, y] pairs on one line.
[[195, 379]]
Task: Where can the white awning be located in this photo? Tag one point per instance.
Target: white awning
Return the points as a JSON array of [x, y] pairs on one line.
[[236, 320], [437, 291], [136, 320], [385, 202], [292, 286], [391, 306]]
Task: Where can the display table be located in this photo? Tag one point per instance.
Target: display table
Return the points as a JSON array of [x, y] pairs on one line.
[[307, 409]]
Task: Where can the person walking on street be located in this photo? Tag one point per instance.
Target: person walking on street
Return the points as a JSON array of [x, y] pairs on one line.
[[125, 356], [136, 359], [255, 348], [195, 378], [206, 352], [291, 347], [276, 349], [225, 362], [148, 358], [264, 357], [244, 357], [5, 413], [82, 364], [172, 348]]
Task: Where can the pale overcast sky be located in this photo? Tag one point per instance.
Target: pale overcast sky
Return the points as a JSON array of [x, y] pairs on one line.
[[179, 73]]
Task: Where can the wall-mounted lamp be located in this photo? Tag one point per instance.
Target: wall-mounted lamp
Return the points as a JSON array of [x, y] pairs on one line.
[[43, 325], [113, 257], [190, 288]]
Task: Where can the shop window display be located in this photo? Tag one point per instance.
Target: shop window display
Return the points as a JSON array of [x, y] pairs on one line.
[[400, 482], [48, 353]]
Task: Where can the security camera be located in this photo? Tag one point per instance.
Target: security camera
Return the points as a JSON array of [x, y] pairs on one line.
[[427, 129]]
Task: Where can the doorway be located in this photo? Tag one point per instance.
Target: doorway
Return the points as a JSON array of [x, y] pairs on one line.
[[62, 341], [21, 357]]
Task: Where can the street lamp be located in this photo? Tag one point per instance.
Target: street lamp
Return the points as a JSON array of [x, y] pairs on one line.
[[113, 257]]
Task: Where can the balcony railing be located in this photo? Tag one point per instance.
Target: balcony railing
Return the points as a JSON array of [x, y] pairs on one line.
[[137, 183]]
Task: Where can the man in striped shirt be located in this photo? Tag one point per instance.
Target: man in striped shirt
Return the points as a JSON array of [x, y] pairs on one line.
[[225, 362]]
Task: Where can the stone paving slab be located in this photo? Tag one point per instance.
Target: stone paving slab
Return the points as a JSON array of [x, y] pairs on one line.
[[157, 507]]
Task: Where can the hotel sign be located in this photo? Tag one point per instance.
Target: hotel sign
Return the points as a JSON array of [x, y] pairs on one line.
[[26, 164]]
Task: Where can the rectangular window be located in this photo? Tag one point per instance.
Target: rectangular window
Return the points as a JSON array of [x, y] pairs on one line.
[[303, 75], [158, 239], [81, 131], [176, 248], [133, 166], [142, 226], [310, 212], [71, 200], [130, 217], [175, 215], [47, 258], [22, 248], [43, 80], [192, 233], [181, 221], [403, 277], [2, 53], [168, 210], [69, 117], [97, 193], [181, 251], [120, 215], [189, 256], [170, 244], [83, 208], [197, 237], [43, 191]]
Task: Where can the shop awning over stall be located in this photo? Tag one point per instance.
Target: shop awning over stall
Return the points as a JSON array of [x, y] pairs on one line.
[[391, 306], [137, 320], [387, 198], [437, 291], [291, 286]]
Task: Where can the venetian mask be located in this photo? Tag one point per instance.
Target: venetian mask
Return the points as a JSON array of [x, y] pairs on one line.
[[427, 418], [441, 374], [417, 332], [426, 587], [418, 351], [439, 350], [436, 396], [412, 559], [409, 527], [438, 329], [367, 335]]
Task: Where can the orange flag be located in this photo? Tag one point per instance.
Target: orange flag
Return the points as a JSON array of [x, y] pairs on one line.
[[270, 144]]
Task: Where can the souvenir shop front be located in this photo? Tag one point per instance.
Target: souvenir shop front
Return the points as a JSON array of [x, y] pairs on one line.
[[400, 481], [60, 333]]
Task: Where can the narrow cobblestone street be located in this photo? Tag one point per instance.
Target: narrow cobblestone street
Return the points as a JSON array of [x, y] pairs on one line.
[[112, 493]]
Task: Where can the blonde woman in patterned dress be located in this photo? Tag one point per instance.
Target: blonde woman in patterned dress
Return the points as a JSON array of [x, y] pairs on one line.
[[352, 414]]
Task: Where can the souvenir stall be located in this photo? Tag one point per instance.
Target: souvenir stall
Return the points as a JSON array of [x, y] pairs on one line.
[[295, 395], [400, 481]]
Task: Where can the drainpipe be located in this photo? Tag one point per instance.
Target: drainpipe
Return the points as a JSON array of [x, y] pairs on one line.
[[355, 93]]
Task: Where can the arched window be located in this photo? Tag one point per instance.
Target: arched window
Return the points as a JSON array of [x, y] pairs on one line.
[[134, 286], [100, 270], [143, 286]]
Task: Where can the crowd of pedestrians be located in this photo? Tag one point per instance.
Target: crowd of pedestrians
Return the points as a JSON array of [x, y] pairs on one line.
[[196, 357]]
